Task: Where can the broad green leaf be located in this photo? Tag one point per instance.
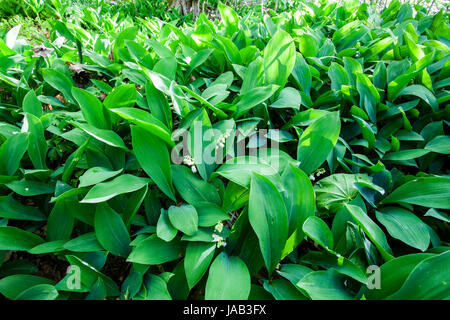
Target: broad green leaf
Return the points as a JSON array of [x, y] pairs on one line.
[[429, 280], [423, 93], [372, 230], [269, 219], [405, 226], [96, 175], [240, 169], [12, 286], [394, 273], [209, 214], [39, 292], [153, 156], [164, 229], [432, 192], [324, 285], [155, 251], [439, 144], [228, 279], [85, 243], [317, 141], [197, 260], [279, 58], [283, 290], [91, 108], [318, 230], [89, 275], [156, 288], [48, 247], [254, 97], [60, 82], [12, 238], [122, 96], [108, 137], [147, 121], [111, 231], [13, 209], [193, 189], [12, 152], [31, 104], [184, 218], [229, 18], [37, 145], [288, 98], [106, 190]]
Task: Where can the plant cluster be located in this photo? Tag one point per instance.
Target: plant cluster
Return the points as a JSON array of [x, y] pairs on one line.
[[327, 126]]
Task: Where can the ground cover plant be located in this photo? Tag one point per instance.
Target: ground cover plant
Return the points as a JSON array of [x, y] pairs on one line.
[[297, 153]]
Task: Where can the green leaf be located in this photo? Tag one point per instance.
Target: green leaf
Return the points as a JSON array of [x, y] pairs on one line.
[[156, 288], [324, 285], [229, 18], [430, 280], [318, 230], [108, 137], [372, 230], [164, 229], [154, 250], [253, 98], [283, 290], [317, 141], [96, 175], [197, 260], [269, 219], [209, 214], [85, 243], [184, 218], [423, 93], [240, 169], [369, 96], [89, 275], [106, 190], [111, 231], [31, 104], [11, 152], [193, 189], [289, 98], [439, 144], [48, 247], [12, 286], [158, 104], [279, 58], [405, 226], [299, 199], [122, 96], [37, 145], [228, 279], [39, 292], [147, 121], [60, 221], [13, 209], [29, 188], [336, 262], [432, 192], [302, 74], [91, 108], [60, 82], [12, 238], [394, 273], [153, 156], [405, 154]]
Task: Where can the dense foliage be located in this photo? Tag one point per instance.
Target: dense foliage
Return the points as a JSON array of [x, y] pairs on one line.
[[349, 175]]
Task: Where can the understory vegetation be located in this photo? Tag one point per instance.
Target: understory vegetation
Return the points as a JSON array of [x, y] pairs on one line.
[[291, 150]]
